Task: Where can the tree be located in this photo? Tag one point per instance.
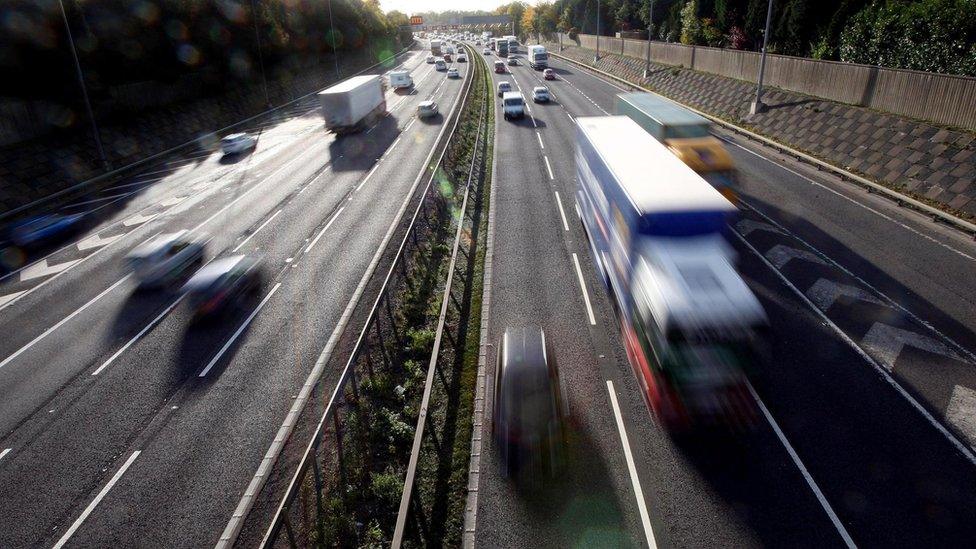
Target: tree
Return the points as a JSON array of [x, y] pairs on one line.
[[691, 25]]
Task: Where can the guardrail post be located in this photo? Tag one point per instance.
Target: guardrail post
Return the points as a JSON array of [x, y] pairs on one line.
[[318, 498], [343, 479]]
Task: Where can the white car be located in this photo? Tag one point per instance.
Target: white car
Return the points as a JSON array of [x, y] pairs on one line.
[[440, 65], [161, 260], [540, 94], [461, 58], [513, 105], [237, 143], [453, 73], [486, 51], [426, 109], [430, 59]]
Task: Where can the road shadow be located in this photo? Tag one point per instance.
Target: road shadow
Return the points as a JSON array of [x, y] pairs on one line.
[[234, 158], [359, 151], [432, 120]]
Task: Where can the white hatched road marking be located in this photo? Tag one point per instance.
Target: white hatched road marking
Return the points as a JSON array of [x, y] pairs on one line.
[[41, 269], [138, 219], [4, 299], [825, 292], [95, 241], [887, 342], [780, 255]]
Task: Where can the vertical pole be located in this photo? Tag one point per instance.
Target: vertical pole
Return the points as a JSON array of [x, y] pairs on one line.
[[257, 37], [319, 514], [757, 105], [650, 34], [84, 90], [335, 50], [597, 56]]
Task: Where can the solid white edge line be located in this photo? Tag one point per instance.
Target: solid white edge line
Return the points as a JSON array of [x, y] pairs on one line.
[[263, 225], [322, 232], [539, 137], [562, 213], [803, 471], [5, 452], [101, 495], [239, 331], [62, 322], [882, 371], [548, 167], [586, 296], [632, 469], [138, 336]]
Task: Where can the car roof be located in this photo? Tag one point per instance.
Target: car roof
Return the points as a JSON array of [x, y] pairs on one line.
[[235, 136], [426, 103], [511, 95], [524, 362], [156, 244], [504, 83], [216, 269], [540, 88]]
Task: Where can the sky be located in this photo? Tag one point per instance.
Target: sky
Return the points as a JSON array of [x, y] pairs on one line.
[[408, 6]]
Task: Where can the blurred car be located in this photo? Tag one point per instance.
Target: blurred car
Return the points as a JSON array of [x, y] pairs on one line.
[[461, 58], [222, 284], [453, 73], [440, 65], [236, 143], [36, 231], [430, 59], [530, 409], [540, 94], [426, 109], [513, 60], [447, 58], [499, 67], [486, 51], [166, 258], [503, 87], [549, 74]]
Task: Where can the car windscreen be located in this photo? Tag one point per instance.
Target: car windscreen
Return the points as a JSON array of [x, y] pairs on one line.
[[512, 101]]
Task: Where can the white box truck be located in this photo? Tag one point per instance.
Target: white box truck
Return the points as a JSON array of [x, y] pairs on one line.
[[538, 58], [353, 104], [400, 79], [690, 324]]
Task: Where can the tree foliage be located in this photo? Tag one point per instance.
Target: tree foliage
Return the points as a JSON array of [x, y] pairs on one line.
[[122, 41], [932, 35]]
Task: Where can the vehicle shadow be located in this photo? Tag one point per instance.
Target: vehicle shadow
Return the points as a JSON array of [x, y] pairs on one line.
[[204, 337], [579, 503], [432, 120], [359, 151], [141, 307]]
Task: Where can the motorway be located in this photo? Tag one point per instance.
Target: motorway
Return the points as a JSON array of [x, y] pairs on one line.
[[868, 397], [122, 424]]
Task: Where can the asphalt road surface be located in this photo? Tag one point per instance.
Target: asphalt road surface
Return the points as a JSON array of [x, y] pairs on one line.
[[122, 424], [869, 409]]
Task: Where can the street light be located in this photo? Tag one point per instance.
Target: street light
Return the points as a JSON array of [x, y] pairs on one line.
[[335, 51], [84, 90], [597, 56], [758, 106], [650, 33], [257, 37]]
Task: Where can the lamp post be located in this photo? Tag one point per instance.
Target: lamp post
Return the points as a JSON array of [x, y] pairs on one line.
[[597, 56], [335, 51], [84, 90], [650, 33], [758, 106], [257, 38]]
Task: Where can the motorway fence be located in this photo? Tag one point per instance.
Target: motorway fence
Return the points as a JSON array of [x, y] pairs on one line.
[[347, 488], [940, 98]]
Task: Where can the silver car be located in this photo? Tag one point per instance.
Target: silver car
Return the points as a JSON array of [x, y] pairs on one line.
[[166, 258], [426, 109]]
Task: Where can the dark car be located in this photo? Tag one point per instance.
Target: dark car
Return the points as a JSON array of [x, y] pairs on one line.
[[41, 230], [222, 284], [530, 409]]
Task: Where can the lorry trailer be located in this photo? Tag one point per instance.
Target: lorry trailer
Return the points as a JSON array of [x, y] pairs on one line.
[[353, 104]]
